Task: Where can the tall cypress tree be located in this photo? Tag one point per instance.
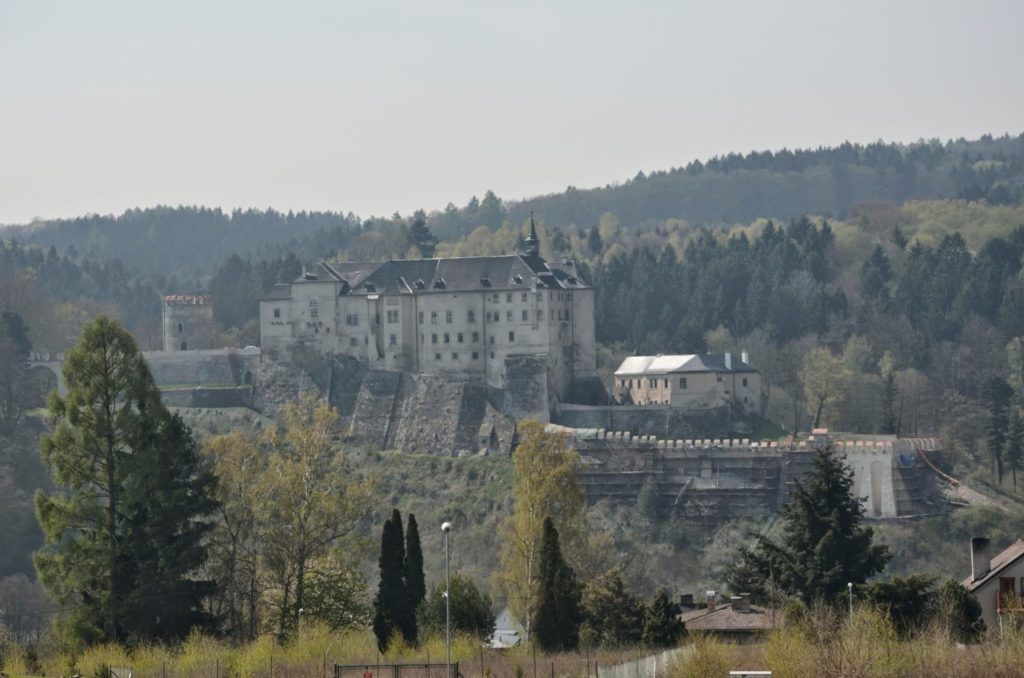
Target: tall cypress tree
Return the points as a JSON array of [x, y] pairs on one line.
[[391, 602], [125, 526], [415, 583], [999, 395], [556, 623]]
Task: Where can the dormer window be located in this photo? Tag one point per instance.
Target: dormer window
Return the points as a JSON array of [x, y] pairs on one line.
[[517, 279], [439, 284], [370, 287], [485, 282], [419, 284]]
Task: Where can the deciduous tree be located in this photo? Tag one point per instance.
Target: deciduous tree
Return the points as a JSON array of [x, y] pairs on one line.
[[546, 484]]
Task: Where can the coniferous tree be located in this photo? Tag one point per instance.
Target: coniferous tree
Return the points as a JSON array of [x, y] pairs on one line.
[[662, 627], [999, 395], [415, 582], [1014, 444], [420, 236], [889, 394], [391, 602], [129, 488], [556, 623], [614, 615], [823, 547], [15, 383]]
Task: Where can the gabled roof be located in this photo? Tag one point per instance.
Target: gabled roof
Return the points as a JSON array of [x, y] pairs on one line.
[[725, 618], [279, 292], [672, 364], [412, 276], [1008, 557]]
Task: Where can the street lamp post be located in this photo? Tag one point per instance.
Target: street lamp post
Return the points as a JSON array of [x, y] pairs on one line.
[[849, 587], [446, 527]]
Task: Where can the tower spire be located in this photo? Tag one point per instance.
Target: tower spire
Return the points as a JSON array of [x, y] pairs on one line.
[[532, 241]]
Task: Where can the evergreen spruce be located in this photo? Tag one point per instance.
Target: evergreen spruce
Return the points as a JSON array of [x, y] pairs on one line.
[[391, 601], [556, 623], [124, 529], [662, 627], [415, 583], [999, 395], [890, 424], [1014, 444], [421, 237], [824, 545]]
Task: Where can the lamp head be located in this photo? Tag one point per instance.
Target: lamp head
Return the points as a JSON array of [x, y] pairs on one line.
[[446, 526]]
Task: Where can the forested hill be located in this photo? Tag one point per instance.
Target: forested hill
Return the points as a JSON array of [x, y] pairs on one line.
[[784, 184], [191, 241], [184, 241]]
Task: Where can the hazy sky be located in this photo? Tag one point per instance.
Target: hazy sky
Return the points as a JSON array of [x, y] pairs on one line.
[[379, 106]]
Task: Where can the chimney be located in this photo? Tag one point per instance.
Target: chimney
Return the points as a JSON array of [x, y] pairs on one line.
[[728, 360], [745, 601], [711, 601], [980, 564], [686, 601], [736, 602], [745, 357]]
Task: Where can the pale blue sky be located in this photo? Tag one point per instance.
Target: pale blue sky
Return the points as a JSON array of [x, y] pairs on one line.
[[392, 105]]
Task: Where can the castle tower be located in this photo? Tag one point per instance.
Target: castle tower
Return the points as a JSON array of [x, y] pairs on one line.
[[187, 322]]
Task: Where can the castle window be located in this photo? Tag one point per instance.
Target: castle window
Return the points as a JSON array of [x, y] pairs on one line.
[[433, 317], [314, 308], [744, 382], [492, 355], [540, 296], [524, 296], [471, 316], [508, 316], [352, 319], [511, 336], [437, 356], [476, 336], [392, 340], [492, 339], [184, 346], [458, 337], [666, 383], [377, 318], [719, 379], [476, 355], [433, 338], [508, 298], [455, 356], [393, 316], [179, 328], [447, 338], [327, 330], [277, 314], [682, 382], [540, 315], [353, 341], [496, 298], [420, 315], [526, 315], [448, 317]]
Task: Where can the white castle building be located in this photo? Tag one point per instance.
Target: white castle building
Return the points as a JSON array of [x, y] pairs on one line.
[[463, 316]]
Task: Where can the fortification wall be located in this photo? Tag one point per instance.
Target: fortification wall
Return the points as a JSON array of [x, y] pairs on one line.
[[662, 421], [203, 368], [714, 480]]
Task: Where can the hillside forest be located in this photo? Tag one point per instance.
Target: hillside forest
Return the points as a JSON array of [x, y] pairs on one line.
[[878, 288]]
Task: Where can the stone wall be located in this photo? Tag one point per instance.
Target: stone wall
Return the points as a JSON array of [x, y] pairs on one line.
[[709, 481], [661, 421], [526, 388], [202, 368]]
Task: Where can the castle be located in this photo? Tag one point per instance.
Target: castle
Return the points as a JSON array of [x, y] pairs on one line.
[[187, 322], [468, 317]]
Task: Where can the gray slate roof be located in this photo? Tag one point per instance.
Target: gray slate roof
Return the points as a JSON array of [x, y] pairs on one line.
[[1010, 555], [414, 276]]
